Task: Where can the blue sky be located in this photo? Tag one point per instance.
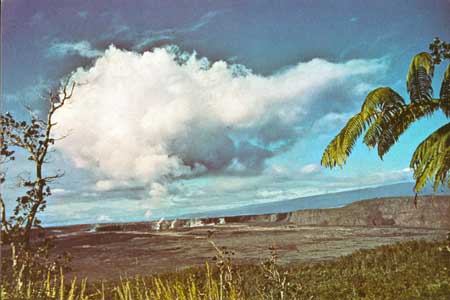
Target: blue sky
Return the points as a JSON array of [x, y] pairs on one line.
[[170, 139]]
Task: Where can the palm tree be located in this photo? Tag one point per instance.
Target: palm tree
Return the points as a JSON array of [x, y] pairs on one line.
[[385, 116]]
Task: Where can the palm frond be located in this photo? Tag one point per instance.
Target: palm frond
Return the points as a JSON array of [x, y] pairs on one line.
[[382, 98], [341, 146], [377, 101], [397, 122], [419, 77], [391, 105], [444, 94], [431, 160]]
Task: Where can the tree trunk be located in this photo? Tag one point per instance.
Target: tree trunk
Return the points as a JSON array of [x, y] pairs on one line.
[[36, 205], [17, 269]]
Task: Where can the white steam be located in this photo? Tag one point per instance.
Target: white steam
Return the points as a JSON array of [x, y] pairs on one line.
[[159, 115]]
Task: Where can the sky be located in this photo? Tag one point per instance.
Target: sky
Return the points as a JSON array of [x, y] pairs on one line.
[[189, 106]]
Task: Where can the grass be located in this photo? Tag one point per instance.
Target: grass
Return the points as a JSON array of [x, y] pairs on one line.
[[409, 270]]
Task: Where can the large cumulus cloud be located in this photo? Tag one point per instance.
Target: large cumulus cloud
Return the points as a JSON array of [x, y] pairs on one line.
[[163, 114]]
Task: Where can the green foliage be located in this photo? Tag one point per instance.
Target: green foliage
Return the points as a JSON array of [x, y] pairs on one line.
[[445, 92], [440, 50], [431, 160], [385, 116], [419, 78], [379, 107], [392, 128], [409, 270], [412, 270]]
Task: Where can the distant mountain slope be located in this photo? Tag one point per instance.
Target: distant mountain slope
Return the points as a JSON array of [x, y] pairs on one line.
[[430, 212], [427, 212], [321, 201]]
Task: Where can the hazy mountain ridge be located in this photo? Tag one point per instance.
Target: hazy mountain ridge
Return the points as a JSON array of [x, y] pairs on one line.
[[428, 212], [330, 200]]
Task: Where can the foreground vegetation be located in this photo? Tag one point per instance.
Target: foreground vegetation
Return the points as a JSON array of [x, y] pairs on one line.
[[410, 270]]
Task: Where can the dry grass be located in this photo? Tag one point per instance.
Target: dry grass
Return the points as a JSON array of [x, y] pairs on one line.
[[410, 270]]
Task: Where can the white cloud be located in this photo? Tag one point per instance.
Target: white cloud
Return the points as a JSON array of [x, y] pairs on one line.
[[390, 176], [30, 96], [330, 122], [269, 194], [375, 178], [310, 169], [104, 218], [158, 192], [82, 48], [407, 170], [159, 197], [148, 214], [104, 185], [58, 191], [148, 38], [204, 20], [111, 184], [148, 118]]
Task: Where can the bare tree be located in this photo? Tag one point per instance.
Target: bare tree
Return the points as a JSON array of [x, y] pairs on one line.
[[35, 138]]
